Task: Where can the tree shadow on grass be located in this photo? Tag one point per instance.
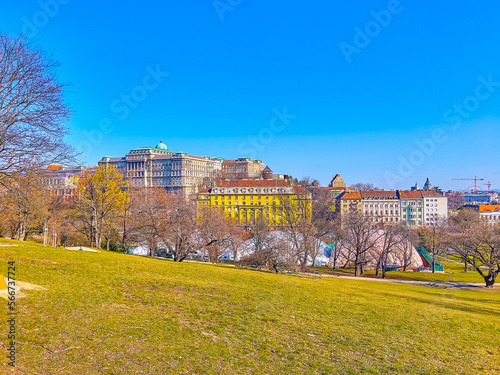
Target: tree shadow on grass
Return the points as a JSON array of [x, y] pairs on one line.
[[453, 302], [461, 298]]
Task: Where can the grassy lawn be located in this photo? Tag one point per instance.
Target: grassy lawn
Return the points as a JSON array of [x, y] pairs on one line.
[[456, 269], [108, 313]]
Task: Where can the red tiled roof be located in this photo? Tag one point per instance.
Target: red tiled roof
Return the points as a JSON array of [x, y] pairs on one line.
[[379, 194], [410, 194], [54, 167], [350, 195], [430, 193], [253, 183], [299, 189]]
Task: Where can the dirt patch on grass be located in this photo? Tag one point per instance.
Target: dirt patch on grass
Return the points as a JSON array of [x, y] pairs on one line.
[[20, 286]]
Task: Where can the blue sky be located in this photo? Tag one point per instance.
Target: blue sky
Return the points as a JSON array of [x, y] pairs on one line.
[[385, 92]]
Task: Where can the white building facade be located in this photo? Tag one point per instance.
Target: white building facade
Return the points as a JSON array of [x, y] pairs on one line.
[[423, 207], [382, 206]]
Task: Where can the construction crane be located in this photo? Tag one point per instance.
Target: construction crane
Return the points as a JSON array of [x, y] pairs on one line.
[[489, 186], [475, 179]]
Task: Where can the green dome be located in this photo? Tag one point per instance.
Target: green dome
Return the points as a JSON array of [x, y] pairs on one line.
[[162, 146]]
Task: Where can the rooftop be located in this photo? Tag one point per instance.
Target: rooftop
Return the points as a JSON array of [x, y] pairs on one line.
[[253, 183]]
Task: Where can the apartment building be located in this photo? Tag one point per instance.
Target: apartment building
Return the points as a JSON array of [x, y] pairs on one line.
[[248, 200], [415, 207], [242, 169]]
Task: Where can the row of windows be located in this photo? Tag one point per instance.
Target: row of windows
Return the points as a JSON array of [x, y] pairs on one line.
[[233, 197], [386, 213], [250, 190], [382, 205]]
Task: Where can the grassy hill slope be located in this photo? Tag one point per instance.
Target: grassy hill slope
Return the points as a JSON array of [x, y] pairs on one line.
[[108, 313]]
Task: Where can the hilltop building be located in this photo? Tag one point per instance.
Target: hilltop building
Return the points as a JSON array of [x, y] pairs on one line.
[[337, 181], [335, 187], [157, 166]]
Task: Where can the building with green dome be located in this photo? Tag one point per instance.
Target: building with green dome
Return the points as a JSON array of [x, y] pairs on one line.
[[177, 172]]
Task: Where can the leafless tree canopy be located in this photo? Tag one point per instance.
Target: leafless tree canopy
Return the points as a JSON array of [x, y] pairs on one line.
[[456, 201], [360, 186], [24, 204], [434, 239], [360, 238], [477, 243], [33, 113]]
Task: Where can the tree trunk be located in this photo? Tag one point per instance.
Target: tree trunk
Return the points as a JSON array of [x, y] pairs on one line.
[[356, 265], [124, 238], [490, 279], [433, 263]]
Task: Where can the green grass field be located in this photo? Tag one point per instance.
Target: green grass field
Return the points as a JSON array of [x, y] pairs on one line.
[[109, 313], [456, 269]]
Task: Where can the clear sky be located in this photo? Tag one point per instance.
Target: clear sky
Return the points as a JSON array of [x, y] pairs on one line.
[[388, 92]]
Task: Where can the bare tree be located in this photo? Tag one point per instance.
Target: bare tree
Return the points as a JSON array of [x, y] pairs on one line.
[[433, 238], [390, 240], [405, 253], [237, 237], [295, 213], [259, 237], [456, 201], [178, 227], [477, 243], [218, 233], [25, 203], [271, 249], [101, 196], [146, 211], [336, 237], [33, 113], [278, 254], [360, 186], [360, 238]]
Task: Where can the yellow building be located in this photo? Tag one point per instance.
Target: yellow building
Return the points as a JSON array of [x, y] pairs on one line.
[[246, 200], [349, 202]]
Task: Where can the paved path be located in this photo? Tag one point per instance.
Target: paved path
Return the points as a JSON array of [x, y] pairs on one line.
[[440, 284], [82, 249]]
